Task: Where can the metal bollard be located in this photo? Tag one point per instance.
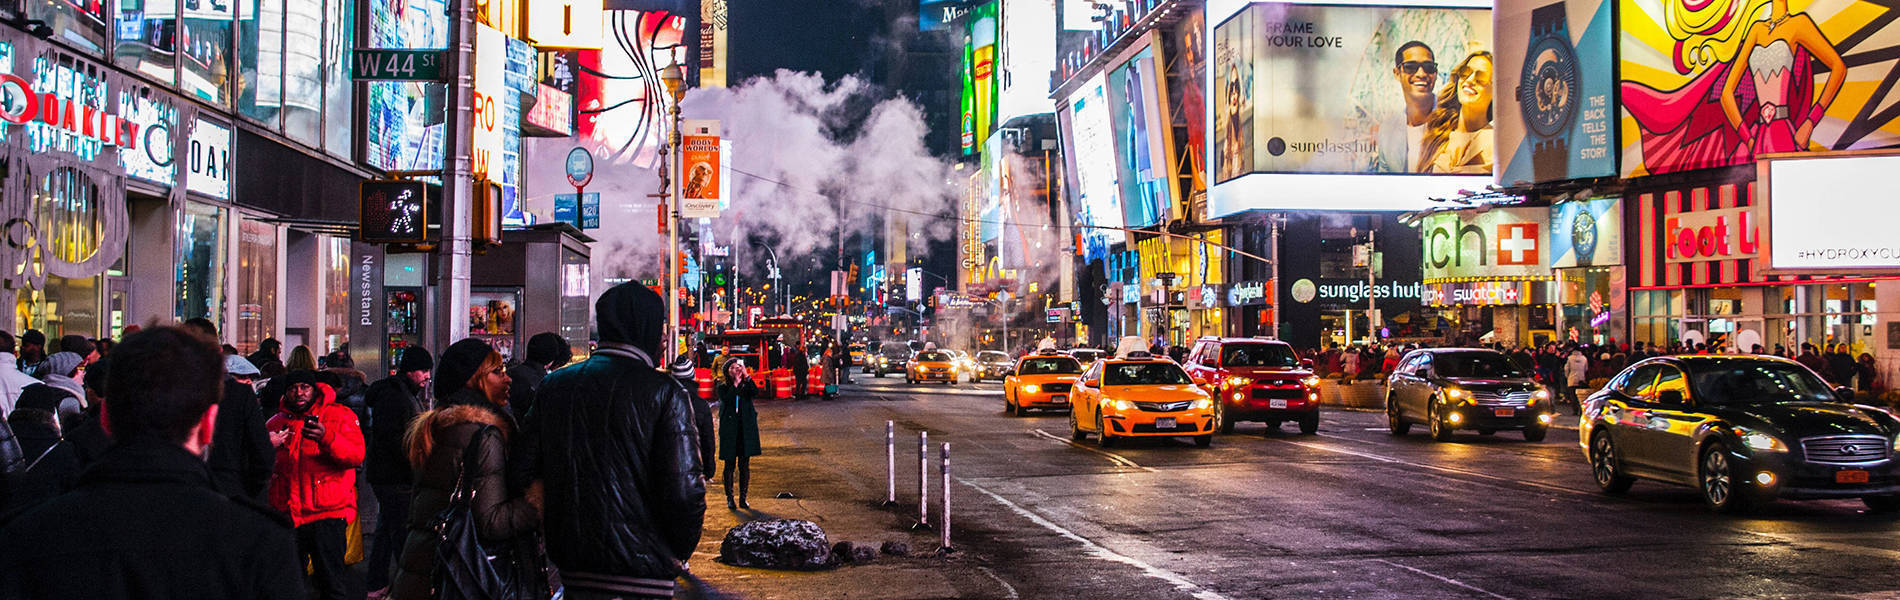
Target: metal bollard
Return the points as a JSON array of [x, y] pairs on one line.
[[944, 520], [890, 463], [923, 477]]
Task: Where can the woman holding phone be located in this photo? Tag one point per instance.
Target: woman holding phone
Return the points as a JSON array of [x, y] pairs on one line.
[[738, 426]]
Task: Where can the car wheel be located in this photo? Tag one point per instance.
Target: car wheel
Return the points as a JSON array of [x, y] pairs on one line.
[[1536, 433], [1441, 430], [1101, 433], [1393, 422], [1720, 488], [1075, 429], [1220, 416], [1309, 424], [1203, 441], [1881, 504], [1009, 407], [1607, 465], [877, 374]]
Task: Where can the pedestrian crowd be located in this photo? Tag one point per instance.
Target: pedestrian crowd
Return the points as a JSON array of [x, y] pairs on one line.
[[169, 466]]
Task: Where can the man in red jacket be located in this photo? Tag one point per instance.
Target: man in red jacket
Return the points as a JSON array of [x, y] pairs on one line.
[[319, 446]]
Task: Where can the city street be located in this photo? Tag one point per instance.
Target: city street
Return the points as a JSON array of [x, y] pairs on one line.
[[1351, 512]]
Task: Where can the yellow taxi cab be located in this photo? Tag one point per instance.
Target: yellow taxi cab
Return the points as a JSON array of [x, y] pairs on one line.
[[1138, 395], [931, 365], [1041, 381]]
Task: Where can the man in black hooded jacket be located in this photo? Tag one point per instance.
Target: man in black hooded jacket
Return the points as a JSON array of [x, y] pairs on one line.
[[613, 441]]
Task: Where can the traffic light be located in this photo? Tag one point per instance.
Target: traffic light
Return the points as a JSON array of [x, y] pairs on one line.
[[682, 262], [719, 275]]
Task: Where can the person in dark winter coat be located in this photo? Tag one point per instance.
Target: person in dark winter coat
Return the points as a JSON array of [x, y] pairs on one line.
[[546, 351], [1841, 368], [614, 441], [242, 457], [319, 446], [32, 360], [683, 372], [393, 404], [269, 358], [471, 387], [146, 522], [51, 462], [738, 427]]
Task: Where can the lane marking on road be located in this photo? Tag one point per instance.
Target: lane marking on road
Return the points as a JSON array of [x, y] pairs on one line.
[[1098, 551], [1446, 580], [1443, 469], [1008, 590], [1111, 456]]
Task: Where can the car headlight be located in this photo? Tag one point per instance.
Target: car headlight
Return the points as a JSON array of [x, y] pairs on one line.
[[1031, 388], [1238, 381], [1761, 441], [1121, 405], [1541, 395], [1202, 404], [1310, 381], [1454, 393]]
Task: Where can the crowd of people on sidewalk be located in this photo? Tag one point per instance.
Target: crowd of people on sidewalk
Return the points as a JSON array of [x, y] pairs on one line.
[[169, 466]]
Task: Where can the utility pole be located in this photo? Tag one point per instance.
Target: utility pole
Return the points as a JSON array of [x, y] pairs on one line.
[[1372, 306], [450, 298], [1274, 223]]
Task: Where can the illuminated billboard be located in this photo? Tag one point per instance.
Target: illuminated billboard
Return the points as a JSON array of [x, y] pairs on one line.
[[1356, 89], [406, 119], [1556, 87], [1029, 55], [565, 24], [1096, 194], [1140, 154], [1713, 83], [1829, 214], [983, 73]]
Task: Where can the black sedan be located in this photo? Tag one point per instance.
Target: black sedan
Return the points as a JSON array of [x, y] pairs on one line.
[[1741, 430], [1448, 389]]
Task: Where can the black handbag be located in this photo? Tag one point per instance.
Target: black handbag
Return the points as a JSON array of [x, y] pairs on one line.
[[463, 569]]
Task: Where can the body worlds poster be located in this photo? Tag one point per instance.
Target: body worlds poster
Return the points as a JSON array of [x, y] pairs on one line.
[[1712, 83], [1555, 83], [1354, 89]]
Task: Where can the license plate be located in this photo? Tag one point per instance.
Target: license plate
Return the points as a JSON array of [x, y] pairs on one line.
[[1853, 476], [1276, 404], [1164, 423], [1504, 412], [1059, 398]]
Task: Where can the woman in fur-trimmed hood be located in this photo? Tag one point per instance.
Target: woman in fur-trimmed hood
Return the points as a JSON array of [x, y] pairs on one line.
[[471, 390]]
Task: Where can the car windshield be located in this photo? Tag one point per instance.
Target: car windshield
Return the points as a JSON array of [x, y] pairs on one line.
[[1088, 355], [1258, 355], [1144, 373], [992, 356], [1052, 365], [1757, 382], [894, 350], [933, 356], [1475, 365]]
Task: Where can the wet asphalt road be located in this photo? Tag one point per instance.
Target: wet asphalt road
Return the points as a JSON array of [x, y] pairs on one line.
[[1350, 512]]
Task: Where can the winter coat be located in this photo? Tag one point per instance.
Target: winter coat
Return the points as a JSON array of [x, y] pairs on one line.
[[393, 404], [438, 438], [738, 422], [146, 523], [11, 382], [1576, 369], [524, 378], [1841, 368], [613, 439], [316, 480], [241, 457], [52, 465], [11, 457], [1813, 361]]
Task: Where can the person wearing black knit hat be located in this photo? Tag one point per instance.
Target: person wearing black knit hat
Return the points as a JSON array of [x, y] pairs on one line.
[[393, 404], [547, 351]]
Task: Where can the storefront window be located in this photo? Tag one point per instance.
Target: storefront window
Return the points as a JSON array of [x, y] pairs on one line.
[[66, 214], [261, 59], [574, 305], [303, 71], [200, 263], [206, 72], [1825, 314], [256, 284], [339, 93], [336, 291], [82, 24], [147, 32]]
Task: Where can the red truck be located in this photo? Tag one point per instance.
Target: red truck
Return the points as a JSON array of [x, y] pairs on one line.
[[1256, 379]]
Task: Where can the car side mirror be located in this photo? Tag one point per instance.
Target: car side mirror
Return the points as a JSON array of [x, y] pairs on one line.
[[1092, 382], [1306, 363], [1846, 394], [1672, 397]]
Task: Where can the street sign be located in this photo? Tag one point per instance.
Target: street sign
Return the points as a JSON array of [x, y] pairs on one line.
[[387, 64], [580, 167], [394, 212], [582, 210]]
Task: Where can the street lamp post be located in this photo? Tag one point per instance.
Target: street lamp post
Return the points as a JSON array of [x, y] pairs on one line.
[[675, 81]]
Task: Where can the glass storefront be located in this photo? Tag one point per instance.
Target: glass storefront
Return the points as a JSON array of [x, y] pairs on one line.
[[66, 216], [256, 285], [1593, 304], [336, 290], [200, 291], [1823, 314]]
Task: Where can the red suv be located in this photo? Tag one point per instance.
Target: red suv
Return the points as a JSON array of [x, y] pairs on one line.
[[1256, 380]]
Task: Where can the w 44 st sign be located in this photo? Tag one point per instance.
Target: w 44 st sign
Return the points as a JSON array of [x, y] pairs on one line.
[[387, 64]]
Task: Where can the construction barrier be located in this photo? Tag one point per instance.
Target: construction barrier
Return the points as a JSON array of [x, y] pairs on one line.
[[782, 384], [705, 379]]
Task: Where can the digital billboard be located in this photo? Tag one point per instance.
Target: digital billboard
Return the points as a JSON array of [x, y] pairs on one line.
[[1712, 83], [1140, 155], [1355, 89], [406, 119], [934, 15], [1029, 55], [1830, 214], [1556, 87], [1500, 243], [983, 73], [1096, 194], [1586, 233]]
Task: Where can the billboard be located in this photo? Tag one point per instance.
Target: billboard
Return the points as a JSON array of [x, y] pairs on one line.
[[966, 119], [1825, 214], [1096, 194], [1711, 84], [1500, 243], [936, 15], [1140, 154], [1354, 89], [406, 120], [1029, 56], [1586, 233], [983, 73], [1555, 85]]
